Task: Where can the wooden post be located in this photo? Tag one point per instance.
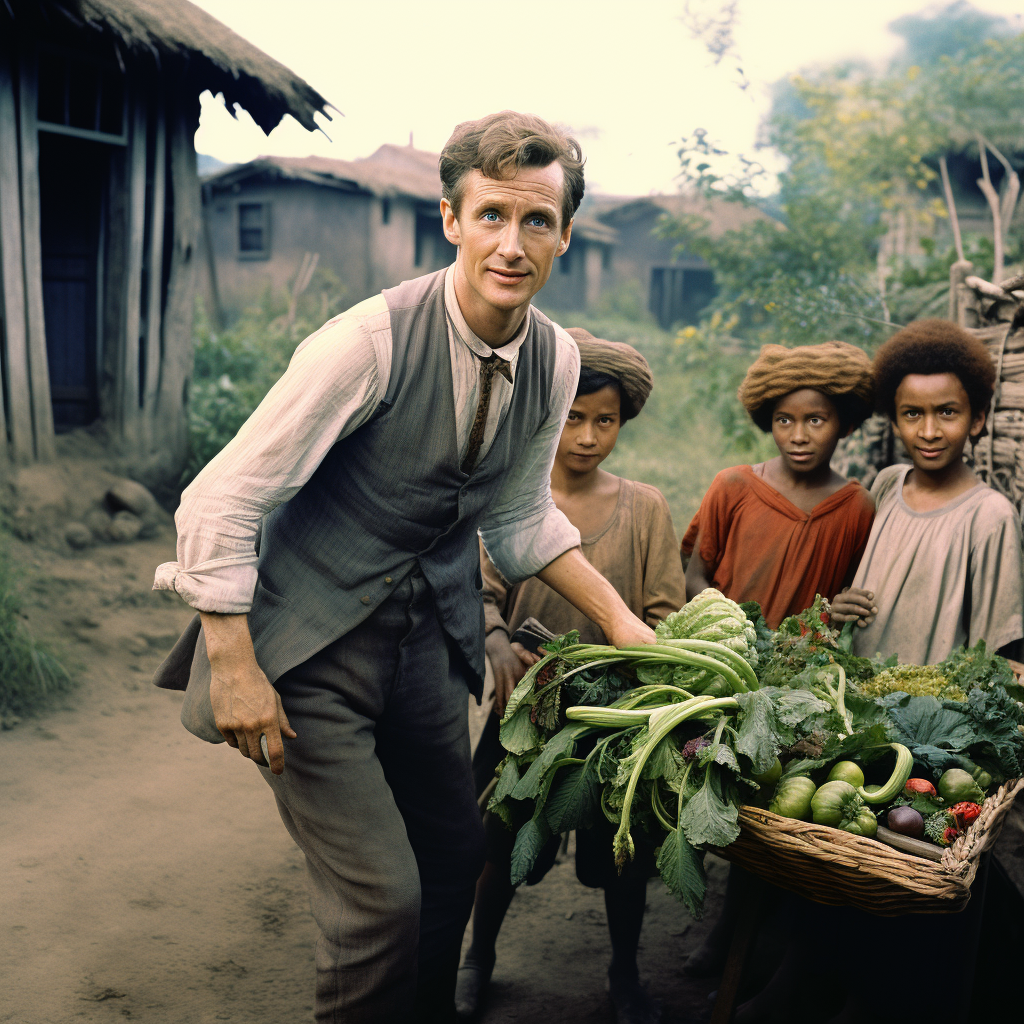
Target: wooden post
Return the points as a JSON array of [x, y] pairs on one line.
[[15, 339], [128, 364], [176, 371], [156, 258], [32, 254]]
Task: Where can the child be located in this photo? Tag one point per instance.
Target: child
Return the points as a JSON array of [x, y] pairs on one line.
[[627, 534], [943, 561], [786, 529]]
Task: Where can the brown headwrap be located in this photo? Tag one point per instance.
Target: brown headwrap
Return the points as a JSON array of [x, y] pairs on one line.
[[835, 369], [618, 360]]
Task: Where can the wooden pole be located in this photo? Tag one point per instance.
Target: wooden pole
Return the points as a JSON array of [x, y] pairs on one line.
[[154, 303], [954, 220], [32, 254], [15, 339], [992, 198], [128, 370], [176, 371]]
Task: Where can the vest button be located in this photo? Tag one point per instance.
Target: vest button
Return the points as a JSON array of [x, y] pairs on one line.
[[365, 600], [387, 579]]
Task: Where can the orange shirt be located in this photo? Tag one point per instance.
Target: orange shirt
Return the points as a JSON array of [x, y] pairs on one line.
[[758, 546]]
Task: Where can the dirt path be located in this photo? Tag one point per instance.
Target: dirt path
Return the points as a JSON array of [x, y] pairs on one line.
[[145, 875]]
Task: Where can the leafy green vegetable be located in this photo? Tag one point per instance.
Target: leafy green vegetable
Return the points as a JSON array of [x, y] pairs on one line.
[[758, 733], [682, 868], [706, 817], [574, 800]]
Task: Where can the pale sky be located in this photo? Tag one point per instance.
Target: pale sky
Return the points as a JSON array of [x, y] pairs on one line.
[[626, 76]]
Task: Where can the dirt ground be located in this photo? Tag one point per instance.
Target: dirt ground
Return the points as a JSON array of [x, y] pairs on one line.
[[145, 875]]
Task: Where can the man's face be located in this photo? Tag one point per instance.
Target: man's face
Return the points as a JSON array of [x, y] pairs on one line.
[[508, 233]]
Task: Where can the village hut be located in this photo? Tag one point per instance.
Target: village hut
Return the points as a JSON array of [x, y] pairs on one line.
[[100, 213]]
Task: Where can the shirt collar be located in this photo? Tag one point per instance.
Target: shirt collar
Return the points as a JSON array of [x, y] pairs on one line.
[[509, 351]]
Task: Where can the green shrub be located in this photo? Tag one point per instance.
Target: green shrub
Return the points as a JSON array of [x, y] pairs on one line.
[[30, 675]]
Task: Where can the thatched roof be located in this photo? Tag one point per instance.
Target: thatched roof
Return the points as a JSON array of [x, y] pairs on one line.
[[722, 215], [177, 32], [389, 172]]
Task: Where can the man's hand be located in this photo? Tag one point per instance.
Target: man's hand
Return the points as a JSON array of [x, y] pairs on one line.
[[854, 605], [628, 631], [245, 705], [509, 663]]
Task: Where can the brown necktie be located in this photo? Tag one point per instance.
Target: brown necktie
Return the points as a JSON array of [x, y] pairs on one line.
[[489, 365]]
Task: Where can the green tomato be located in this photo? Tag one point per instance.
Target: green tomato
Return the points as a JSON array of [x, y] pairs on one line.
[[957, 785], [793, 798], [770, 777], [836, 804], [847, 771], [864, 824]]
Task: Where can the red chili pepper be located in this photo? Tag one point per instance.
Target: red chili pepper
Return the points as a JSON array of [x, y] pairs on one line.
[[950, 835], [964, 813], [919, 786], [824, 617]]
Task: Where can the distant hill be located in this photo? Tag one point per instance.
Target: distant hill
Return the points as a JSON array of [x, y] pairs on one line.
[[208, 164]]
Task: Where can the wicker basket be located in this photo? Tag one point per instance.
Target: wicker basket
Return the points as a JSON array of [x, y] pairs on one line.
[[831, 866]]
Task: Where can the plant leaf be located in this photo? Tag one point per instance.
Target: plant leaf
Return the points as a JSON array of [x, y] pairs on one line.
[[682, 870], [707, 818], [573, 799], [529, 843], [758, 732], [561, 744], [506, 781], [518, 734]]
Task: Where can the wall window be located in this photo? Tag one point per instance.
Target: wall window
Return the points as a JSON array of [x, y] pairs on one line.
[[253, 230], [385, 211], [80, 96], [565, 261], [606, 257]]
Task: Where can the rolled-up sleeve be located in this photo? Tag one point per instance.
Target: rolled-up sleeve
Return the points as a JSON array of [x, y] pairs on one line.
[[524, 531], [332, 385]]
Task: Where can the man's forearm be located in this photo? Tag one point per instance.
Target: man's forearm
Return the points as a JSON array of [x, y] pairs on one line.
[[227, 638], [574, 578]]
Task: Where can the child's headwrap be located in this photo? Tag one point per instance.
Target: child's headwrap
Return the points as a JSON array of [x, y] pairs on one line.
[[618, 360], [835, 368]]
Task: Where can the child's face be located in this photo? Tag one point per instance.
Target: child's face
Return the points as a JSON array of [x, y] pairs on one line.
[[934, 419], [591, 430], [806, 429]]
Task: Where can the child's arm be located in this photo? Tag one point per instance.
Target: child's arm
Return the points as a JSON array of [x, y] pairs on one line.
[[854, 605], [696, 572]]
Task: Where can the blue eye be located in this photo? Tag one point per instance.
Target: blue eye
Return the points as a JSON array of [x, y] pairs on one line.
[[491, 216], [538, 222]]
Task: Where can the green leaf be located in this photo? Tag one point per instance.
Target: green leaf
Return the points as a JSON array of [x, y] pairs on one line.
[[682, 870], [758, 732], [706, 818], [794, 706], [529, 843], [719, 753], [561, 744], [573, 800], [506, 780], [518, 734], [665, 761]]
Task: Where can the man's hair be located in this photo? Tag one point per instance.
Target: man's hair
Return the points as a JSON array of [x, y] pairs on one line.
[[500, 144], [934, 346]]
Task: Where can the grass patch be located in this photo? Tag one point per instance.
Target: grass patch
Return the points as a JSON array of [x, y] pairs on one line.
[[31, 677]]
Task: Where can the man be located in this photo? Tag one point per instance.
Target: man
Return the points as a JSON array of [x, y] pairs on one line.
[[399, 430]]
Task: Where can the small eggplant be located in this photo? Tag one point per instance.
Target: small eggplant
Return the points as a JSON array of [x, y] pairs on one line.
[[906, 822]]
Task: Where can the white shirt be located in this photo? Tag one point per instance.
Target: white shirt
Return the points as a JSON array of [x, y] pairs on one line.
[[332, 386]]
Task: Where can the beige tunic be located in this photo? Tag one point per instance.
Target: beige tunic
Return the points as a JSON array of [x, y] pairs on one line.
[[637, 551], [943, 578]]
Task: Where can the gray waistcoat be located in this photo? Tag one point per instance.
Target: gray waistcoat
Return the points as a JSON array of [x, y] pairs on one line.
[[392, 495]]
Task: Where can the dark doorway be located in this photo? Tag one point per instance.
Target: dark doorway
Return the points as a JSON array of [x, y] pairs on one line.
[[72, 179], [679, 294]]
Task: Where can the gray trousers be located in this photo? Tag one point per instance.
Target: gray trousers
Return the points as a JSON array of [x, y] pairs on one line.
[[378, 793]]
